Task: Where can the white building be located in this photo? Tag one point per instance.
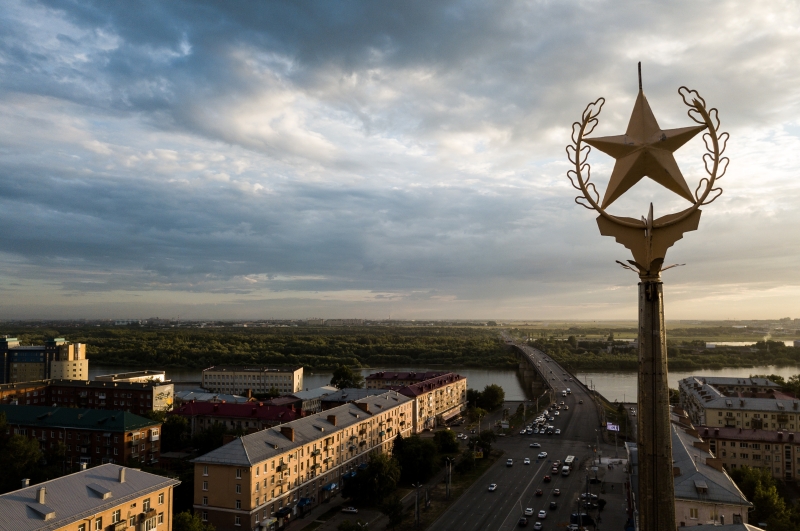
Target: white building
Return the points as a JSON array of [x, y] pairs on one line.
[[238, 379]]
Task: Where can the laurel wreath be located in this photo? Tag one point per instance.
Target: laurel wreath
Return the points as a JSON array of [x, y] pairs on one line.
[[715, 163]]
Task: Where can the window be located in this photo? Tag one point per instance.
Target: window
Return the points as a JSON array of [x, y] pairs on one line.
[[82, 527], [161, 499], [205, 485], [146, 505], [98, 524], [238, 489], [238, 473], [205, 500], [205, 516], [238, 504], [693, 514], [205, 470], [131, 522], [160, 518], [237, 520], [116, 516]]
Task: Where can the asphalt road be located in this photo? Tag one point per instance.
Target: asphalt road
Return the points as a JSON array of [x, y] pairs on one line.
[[479, 509]]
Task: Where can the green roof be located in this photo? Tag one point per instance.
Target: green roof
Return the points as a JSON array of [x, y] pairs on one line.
[[65, 417]]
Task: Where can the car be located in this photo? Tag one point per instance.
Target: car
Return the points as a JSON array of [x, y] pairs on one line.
[[538, 492], [522, 522], [535, 445], [556, 492], [557, 462], [633, 414], [573, 527], [591, 496], [551, 419], [351, 510], [536, 431], [526, 461], [580, 401], [546, 479], [529, 431], [542, 514], [562, 402], [557, 432], [537, 526], [493, 487], [566, 408], [509, 462], [557, 413], [542, 455], [522, 432], [529, 511], [554, 470], [553, 506]]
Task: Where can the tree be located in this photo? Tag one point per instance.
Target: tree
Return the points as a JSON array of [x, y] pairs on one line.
[[345, 377], [187, 521], [417, 457], [174, 433], [492, 397], [473, 396], [371, 485], [475, 413], [393, 508], [484, 441], [446, 442], [573, 341], [19, 458]]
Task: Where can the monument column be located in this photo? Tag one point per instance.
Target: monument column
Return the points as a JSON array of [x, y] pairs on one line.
[[654, 441]]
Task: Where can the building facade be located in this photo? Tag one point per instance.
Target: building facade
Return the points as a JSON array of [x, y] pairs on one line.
[[437, 400], [392, 380], [57, 358], [754, 403], [107, 497], [90, 436], [311, 400], [258, 380], [247, 417], [265, 479], [139, 398], [775, 451]]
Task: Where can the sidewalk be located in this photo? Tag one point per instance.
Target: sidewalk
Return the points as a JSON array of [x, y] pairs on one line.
[[612, 473]]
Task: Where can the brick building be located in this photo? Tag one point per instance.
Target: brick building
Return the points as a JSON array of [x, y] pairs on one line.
[[248, 416], [57, 358], [437, 399], [775, 451], [90, 436]]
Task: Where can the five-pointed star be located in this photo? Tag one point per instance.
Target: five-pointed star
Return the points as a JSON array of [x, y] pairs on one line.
[[645, 151]]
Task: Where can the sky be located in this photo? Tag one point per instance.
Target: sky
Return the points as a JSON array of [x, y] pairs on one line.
[[283, 159]]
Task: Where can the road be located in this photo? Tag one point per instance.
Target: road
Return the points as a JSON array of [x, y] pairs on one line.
[[479, 509]]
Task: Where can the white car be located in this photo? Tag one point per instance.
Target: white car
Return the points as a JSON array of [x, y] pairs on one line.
[[535, 445], [492, 487], [558, 431], [529, 511], [557, 413], [537, 526], [522, 432], [351, 510], [542, 455], [542, 514], [526, 461]]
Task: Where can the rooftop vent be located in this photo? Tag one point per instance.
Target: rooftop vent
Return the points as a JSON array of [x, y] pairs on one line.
[[100, 490]]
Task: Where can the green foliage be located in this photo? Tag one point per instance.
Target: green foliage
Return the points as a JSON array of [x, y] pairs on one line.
[[392, 507], [186, 521], [174, 433], [373, 484], [475, 413], [483, 441], [492, 397], [209, 439], [313, 348], [345, 377], [758, 486], [446, 442], [417, 457]]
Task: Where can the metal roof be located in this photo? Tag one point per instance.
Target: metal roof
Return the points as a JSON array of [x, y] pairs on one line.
[[349, 394], [75, 497], [310, 394], [67, 417], [267, 444]]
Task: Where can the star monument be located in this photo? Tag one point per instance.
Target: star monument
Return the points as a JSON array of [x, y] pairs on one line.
[[646, 150]]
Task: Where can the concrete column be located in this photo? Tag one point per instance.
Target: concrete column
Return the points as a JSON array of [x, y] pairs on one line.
[[656, 486]]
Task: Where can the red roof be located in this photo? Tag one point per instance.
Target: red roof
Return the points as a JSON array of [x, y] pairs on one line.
[[431, 384], [247, 410]]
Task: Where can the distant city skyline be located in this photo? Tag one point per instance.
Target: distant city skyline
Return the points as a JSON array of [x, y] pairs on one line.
[[356, 160]]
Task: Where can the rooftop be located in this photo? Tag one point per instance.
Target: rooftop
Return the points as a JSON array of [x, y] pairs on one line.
[[349, 394], [717, 397], [249, 368], [699, 480], [310, 394], [205, 396], [249, 410], [431, 384], [726, 527], [267, 444], [65, 417], [746, 434], [75, 497]]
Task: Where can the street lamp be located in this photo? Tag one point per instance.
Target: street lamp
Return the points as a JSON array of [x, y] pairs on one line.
[[416, 504], [449, 465]]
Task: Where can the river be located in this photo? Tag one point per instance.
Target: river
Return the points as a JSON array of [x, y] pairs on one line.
[[614, 385]]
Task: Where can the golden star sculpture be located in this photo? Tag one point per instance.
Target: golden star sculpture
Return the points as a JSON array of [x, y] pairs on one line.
[[645, 150]]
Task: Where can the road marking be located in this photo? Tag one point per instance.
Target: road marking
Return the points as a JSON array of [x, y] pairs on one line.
[[519, 500]]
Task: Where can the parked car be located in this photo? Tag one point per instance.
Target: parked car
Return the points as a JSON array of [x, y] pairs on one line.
[[351, 510], [557, 432]]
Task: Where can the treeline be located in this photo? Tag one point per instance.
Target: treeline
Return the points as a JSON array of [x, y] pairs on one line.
[[576, 355], [313, 348]]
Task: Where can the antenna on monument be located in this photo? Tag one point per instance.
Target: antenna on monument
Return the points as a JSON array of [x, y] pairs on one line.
[[640, 76]]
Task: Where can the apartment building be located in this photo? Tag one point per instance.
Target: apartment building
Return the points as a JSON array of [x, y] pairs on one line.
[[57, 358], [263, 480], [107, 497], [754, 403], [139, 398], [347, 395], [248, 416], [392, 379], [704, 492], [775, 451], [311, 400], [258, 380], [437, 400], [90, 436]]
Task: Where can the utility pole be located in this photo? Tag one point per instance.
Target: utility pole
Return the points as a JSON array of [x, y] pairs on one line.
[[416, 504]]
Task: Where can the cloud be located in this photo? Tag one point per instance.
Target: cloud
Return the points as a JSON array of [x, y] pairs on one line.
[[357, 159]]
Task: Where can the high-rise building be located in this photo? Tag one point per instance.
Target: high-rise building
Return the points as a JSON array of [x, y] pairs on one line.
[[57, 358]]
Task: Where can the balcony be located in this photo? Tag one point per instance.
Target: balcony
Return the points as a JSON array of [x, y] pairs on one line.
[[315, 453], [154, 437]]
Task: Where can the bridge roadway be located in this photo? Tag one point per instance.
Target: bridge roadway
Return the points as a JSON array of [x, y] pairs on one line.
[[481, 510]]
